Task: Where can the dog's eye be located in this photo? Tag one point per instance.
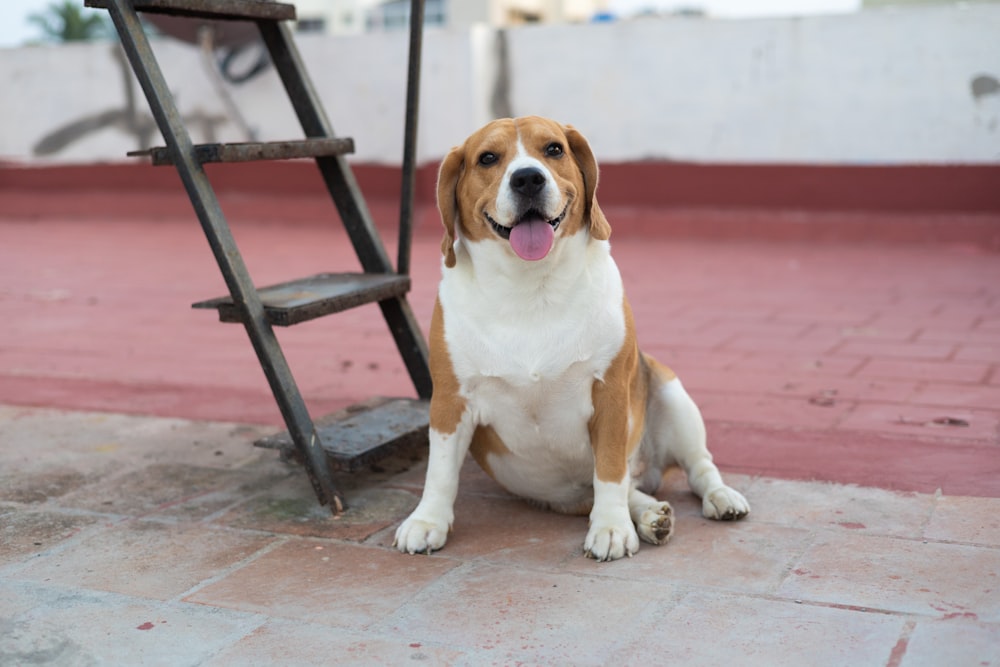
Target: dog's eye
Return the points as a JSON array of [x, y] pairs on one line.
[[554, 149], [487, 158]]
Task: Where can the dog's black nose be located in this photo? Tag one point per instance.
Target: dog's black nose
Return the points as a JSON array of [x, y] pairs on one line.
[[527, 181]]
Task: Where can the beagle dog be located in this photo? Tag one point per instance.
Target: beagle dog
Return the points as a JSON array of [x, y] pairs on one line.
[[534, 358]]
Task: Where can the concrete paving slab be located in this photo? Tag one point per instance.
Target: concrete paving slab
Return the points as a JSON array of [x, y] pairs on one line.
[[342, 585], [294, 644], [708, 628], [823, 573], [956, 641], [889, 573], [512, 614], [42, 624]]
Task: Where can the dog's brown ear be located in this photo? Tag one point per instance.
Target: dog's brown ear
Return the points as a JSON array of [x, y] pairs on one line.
[[447, 200], [592, 214]]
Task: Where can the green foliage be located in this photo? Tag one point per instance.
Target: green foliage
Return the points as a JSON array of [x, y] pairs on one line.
[[68, 21]]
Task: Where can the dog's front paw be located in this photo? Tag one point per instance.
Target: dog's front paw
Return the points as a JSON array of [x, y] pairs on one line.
[[656, 524], [416, 535], [611, 541], [724, 504]]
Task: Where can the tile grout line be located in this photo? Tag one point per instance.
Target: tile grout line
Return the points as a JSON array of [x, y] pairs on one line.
[[66, 544], [278, 541], [899, 650]]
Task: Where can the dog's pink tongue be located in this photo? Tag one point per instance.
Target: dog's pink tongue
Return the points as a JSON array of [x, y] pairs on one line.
[[531, 239]]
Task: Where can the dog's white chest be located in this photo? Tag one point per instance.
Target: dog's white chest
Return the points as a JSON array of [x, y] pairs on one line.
[[526, 360]]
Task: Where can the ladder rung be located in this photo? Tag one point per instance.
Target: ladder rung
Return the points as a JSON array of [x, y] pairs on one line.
[[308, 298], [254, 151], [364, 433], [233, 10]]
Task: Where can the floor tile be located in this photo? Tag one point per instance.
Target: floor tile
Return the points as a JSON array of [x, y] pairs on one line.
[[708, 628], [507, 529], [739, 556], [913, 576], [928, 422], [958, 395], [52, 454], [832, 390], [38, 486], [872, 459], [296, 643], [790, 412], [926, 350], [512, 614], [145, 558], [50, 625], [965, 519], [175, 490], [958, 641], [811, 505], [989, 353], [24, 532], [969, 372], [290, 507], [800, 365], [334, 584], [814, 345], [94, 441]]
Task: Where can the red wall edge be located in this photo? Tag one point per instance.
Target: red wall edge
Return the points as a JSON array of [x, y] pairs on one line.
[[924, 188]]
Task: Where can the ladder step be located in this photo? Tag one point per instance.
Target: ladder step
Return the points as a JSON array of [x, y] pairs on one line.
[[254, 151], [308, 298], [233, 10], [362, 434]]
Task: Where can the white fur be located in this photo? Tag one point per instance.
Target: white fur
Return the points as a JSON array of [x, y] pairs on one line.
[[427, 528], [612, 533], [527, 357], [506, 204]]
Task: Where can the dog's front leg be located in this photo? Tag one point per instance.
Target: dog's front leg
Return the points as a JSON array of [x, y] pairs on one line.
[[612, 534], [426, 529]]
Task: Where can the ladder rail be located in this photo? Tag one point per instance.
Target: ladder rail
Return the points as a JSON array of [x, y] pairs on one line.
[[408, 186], [336, 172], [350, 203], [223, 245]]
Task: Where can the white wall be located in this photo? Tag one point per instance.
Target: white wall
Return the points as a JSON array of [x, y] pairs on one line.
[[877, 87]]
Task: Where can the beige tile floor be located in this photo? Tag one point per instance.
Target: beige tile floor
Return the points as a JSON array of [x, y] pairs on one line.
[[134, 540]]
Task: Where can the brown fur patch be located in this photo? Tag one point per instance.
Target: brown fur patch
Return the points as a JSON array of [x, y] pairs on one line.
[[661, 373], [621, 394], [593, 216], [485, 442], [447, 201], [447, 404]]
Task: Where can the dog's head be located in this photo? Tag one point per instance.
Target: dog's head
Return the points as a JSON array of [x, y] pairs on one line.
[[524, 182]]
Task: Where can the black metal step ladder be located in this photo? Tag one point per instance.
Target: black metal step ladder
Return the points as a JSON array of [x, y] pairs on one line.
[[356, 435]]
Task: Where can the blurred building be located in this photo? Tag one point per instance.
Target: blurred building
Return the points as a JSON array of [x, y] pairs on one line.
[[356, 16], [870, 4]]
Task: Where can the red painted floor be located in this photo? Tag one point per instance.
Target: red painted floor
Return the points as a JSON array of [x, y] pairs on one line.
[[868, 363]]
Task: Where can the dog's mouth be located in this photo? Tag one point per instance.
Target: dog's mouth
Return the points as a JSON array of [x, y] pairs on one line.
[[531, 236], [529, 215]]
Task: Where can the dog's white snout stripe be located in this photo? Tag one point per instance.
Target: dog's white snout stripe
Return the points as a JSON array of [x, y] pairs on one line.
[[508, 196]]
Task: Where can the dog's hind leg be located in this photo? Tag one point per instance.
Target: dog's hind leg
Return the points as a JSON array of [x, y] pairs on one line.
[[677, 431]]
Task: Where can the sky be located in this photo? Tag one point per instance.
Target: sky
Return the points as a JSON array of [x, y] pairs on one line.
[[15, 30]]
